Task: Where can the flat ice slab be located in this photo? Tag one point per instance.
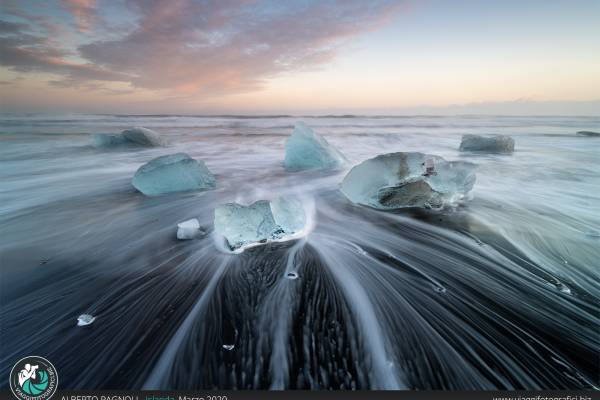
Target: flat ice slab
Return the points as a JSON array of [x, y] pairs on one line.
[[188, 229], [135, 136], [172, 173], [260, 222], [488, 144], [400, 180], [588, 133], [305, 149]]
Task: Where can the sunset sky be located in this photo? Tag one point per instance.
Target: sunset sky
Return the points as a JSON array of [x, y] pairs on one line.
[[228, 56]]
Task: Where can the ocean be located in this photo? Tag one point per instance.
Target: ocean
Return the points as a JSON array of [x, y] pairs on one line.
[[501, 291]]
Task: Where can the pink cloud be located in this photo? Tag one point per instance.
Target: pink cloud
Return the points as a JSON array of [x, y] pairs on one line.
[[226, 46], [24, 50], [211, 47], [83, 11]]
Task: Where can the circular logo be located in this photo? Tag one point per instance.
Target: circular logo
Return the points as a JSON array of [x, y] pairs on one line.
[[33, 378]]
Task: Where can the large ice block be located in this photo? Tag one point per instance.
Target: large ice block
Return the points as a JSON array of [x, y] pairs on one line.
[[488, 144], [172, 173], [108, 139], [259, 222], [305, 149], [143, 136], [135, 136], [400, 180]]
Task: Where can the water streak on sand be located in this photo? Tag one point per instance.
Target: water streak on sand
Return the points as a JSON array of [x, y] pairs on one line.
[[501, 292]]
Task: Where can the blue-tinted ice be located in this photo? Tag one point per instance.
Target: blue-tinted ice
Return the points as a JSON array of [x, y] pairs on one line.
[[260, 222], [135, 136], [85, 320], [488, 144], [400, 180], [305, 149], [188, 229], [108, 139], [173, 173]]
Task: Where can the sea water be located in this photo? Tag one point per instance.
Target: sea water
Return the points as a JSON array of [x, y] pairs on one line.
[[501, 291]]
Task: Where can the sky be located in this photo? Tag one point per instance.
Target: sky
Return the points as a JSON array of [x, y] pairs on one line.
[[321, 56]]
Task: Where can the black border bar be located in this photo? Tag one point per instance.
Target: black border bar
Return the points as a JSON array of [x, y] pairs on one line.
[[320, 395]]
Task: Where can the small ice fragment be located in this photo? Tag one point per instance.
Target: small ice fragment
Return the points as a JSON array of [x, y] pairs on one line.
[[489, 144], [188, 229], [229, 347], [398, 180], [292, 275], [172, 173], [564, 289], [439, 289], [305, 149], [260, 222], [588, 133], [85, 320], [143, 137], [561, 287]]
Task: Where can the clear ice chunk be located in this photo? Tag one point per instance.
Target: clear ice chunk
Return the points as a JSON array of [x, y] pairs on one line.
[[439, 288], [305, 149], [488, 144], [260, 222], [85, 320], [135, 136], [399, 180], [172, 173], [108, 139], [188, 229], [143, 136], [288, 213]]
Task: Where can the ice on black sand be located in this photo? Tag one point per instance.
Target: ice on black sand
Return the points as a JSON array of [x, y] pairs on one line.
[[292, 275], [400, 180], [487, 144], [135, 136], [108, 139], [85, 320], [260, 222], [305, 149], [143, 136], [188, 229], [173, 173]]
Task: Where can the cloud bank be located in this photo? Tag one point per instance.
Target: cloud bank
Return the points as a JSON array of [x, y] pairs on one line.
[[186, 47]]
